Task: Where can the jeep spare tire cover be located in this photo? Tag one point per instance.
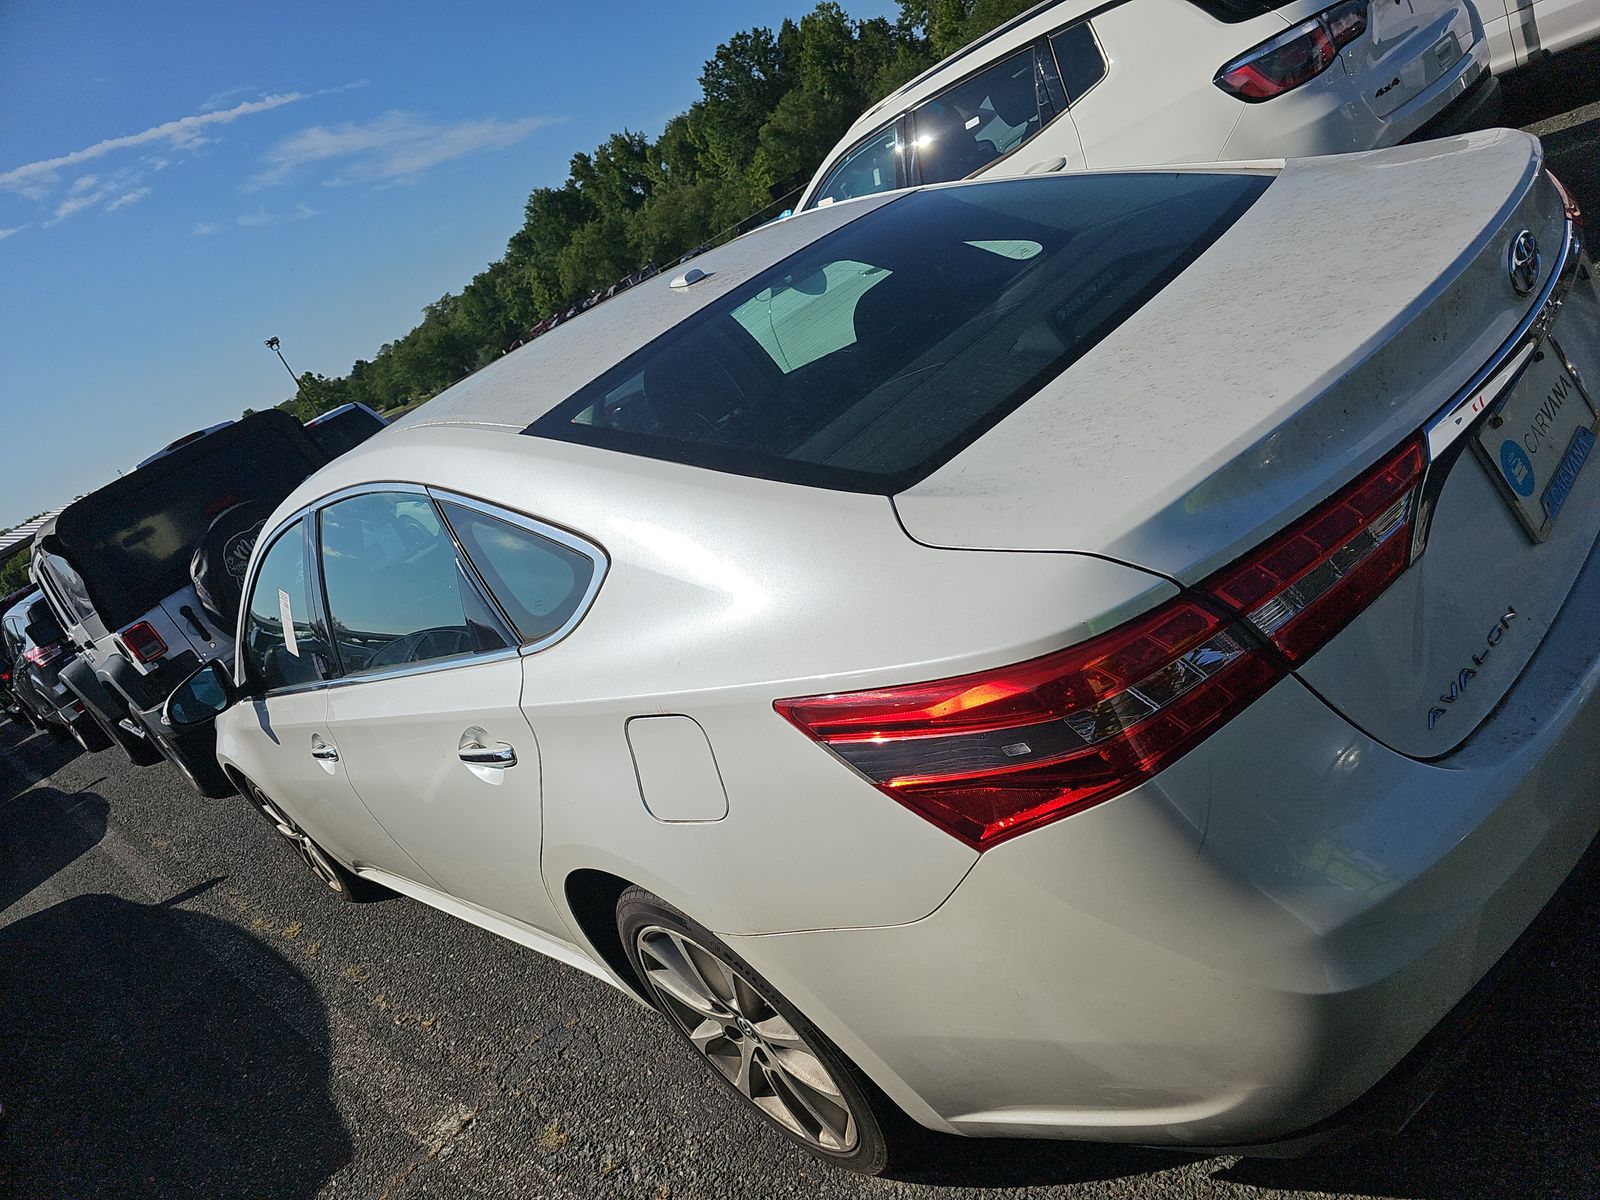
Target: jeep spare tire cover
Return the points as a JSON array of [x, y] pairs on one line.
[[219, 562]]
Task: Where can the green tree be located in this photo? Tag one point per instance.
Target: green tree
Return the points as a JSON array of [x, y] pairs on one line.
[[772, 105], [14, 572]]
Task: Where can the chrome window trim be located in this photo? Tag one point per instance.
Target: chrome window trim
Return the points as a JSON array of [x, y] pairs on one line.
[[1447, 433], [590, 550], [422, 668], [596, 555]]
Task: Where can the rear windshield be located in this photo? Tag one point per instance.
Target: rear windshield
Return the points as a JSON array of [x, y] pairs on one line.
[[40, 625], [133, 550], [877, 353]]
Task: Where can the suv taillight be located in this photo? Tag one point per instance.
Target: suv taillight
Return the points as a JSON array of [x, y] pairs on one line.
[[994, 754], [143, 643], [41, 656], [1295, 56]]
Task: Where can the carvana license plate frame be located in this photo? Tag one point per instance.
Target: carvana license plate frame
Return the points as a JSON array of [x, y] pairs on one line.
[[1533, 509]]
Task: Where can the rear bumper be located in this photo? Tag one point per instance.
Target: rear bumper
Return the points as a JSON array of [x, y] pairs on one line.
[[1331, 114], [1476, 108], [1238, 951]]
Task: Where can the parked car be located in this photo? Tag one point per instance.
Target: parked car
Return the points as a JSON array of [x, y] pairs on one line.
[[10, 706], [342, 429], [144, 575], [36, 650], [973, 658], [1076, 83], [1520, 32]]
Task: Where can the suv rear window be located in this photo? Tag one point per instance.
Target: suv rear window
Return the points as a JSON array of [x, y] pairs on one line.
[[132, 541], [878, 352]]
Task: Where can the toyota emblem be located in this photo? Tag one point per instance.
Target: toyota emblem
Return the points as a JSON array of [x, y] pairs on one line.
[[1522, 262]]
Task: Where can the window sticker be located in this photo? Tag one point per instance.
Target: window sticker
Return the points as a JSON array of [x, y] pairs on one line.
[[286, 614]]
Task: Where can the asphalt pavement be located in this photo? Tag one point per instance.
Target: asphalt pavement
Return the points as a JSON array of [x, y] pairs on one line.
[[184, 1011]]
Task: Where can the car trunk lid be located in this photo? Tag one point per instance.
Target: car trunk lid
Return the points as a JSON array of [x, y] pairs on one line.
[[1272, 372]]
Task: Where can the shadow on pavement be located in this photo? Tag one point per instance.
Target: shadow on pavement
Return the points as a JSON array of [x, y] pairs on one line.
[[41, 832], [132, 1064], [27, 754], [1548, 89]]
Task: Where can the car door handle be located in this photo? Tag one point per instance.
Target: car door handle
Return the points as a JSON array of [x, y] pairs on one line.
[[325, 753], [489, 756], [1045, 166]]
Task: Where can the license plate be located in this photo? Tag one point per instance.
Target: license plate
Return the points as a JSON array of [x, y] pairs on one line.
[[1537, 440]]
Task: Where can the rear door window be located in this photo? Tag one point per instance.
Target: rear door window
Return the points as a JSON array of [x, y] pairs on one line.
[[966, 128], [283, 640], [397, 593], [1078, 56]]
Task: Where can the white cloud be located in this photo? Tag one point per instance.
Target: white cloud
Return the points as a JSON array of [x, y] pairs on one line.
[[42, 181], [128, 198], [396, 147], [257, 218], [181, 134], [15, 229]]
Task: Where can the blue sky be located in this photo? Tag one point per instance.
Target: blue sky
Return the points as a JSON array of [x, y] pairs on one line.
[[180, 181]]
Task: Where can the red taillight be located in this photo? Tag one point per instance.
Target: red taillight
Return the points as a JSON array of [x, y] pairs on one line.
[[1295, 56], [1306, 584], [143, 643], [1568, 204], [993, 754], [41, 656]]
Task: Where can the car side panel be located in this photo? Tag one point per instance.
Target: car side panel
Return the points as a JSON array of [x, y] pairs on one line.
[[269, 740], [1157, 103], [1552, 25]]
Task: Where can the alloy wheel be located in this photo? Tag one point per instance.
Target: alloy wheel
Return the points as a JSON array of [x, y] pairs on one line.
[[309, 851], [746, 1039]]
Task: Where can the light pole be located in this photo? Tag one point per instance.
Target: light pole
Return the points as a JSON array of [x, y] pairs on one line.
[[272, 344]]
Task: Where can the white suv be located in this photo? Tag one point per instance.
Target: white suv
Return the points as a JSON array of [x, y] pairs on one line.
[[1076, 84]]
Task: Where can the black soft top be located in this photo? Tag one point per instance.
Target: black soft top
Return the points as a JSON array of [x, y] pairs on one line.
[[131, 541]]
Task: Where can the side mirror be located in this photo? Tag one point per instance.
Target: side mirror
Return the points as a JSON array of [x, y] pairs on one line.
[[203, 696]]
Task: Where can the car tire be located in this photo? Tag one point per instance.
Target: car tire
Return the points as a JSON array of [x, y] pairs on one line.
[[778, 1063], [329, 871], [140, 751], [86, 731]]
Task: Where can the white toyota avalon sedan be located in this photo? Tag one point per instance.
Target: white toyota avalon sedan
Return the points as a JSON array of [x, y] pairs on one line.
[[1107, 656], [1071, 84]]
